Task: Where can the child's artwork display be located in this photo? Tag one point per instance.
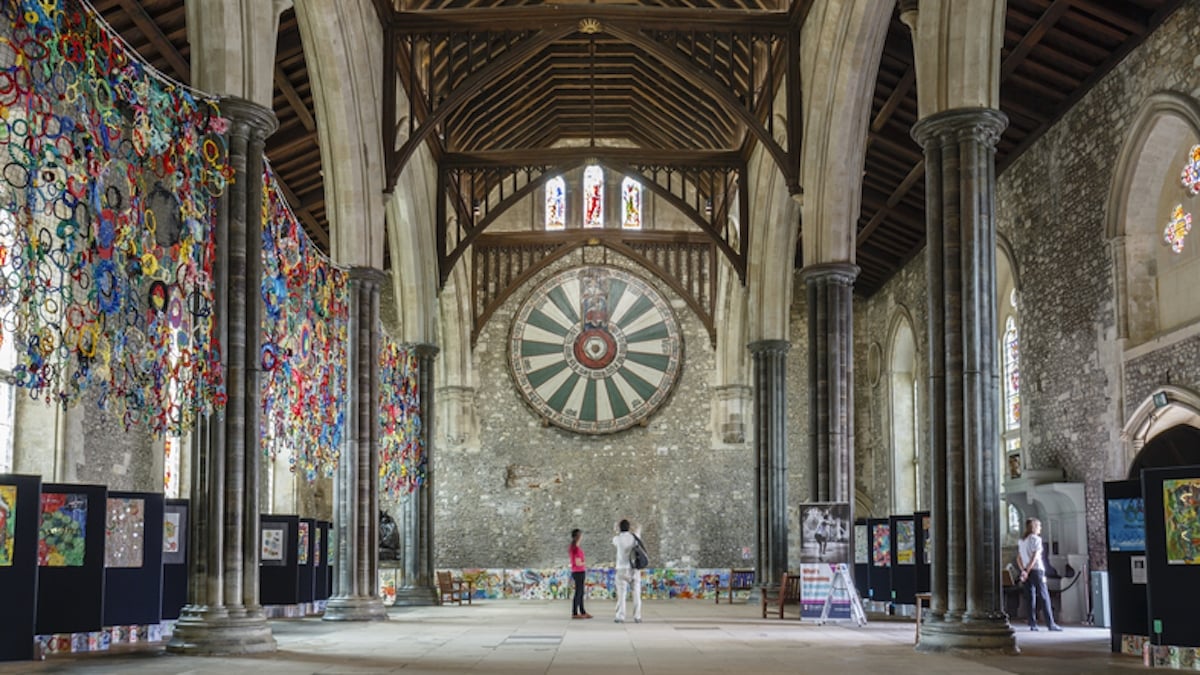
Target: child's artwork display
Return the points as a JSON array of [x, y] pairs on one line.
[[124, 532], [302, 545], [906, 542], [174, 534], [881, 545], [61, 534], [1126, 524], [1181, 511], [273, 537], [8, 523]]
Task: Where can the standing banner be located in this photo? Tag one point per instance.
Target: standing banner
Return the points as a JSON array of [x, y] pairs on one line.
[[824, 545]]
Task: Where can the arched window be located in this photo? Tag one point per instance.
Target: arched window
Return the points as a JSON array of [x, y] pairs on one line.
[[556, 203], [631, 204], [905, 464], [1179, 223], [1012, 378], [593, 196]]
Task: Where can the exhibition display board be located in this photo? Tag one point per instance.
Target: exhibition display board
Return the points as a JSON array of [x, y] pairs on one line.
[[924, 549], [1172, 516], [904, 534], [305, 564], [70, 552], [19, 517], [323, 549], [133, 568], [880, 533], [862, 557], [175, 564], [278, 573], [1125, 545]]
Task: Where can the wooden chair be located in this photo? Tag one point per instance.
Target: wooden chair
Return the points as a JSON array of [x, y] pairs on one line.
[[449, 589], [777, 599], [739, 580]]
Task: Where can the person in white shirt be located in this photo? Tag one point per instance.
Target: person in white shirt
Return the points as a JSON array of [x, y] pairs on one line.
[[1033, 573], [626, 574]]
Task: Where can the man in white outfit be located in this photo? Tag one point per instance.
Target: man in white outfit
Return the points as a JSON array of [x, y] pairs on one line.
[[626, 574]]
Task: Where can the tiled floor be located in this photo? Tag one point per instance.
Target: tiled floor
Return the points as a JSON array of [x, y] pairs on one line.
[[677, 638]]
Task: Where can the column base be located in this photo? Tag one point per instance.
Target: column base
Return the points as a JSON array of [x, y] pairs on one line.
[[355, 608], [416, 596], [205, 632], [975, 636]]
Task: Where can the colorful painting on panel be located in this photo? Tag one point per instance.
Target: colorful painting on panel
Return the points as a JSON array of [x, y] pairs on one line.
[[124, 532], [881, 545], [862, 544], [927, 533], [302, 545], [272, 544], [1181, 511], [906, 542], [8, 523], [1126, 524], [171, 532], [317, 546], [63, 528]]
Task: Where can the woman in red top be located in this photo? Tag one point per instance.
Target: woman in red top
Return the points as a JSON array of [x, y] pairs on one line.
[[578, 575]]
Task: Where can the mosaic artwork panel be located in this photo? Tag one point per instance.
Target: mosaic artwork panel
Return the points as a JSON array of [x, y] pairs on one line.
[[906, 542], [63, 529], [302, 545], [402, 462], [1181, 512], [8, 523], [107, 234], [1127, 524], [881, 545], [306, 320], [124, 532]]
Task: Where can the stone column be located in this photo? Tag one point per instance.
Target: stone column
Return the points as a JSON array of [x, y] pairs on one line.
[[223, 615], [831, 380], [770, 450], [960, 179], [416, 511], [356, 485]]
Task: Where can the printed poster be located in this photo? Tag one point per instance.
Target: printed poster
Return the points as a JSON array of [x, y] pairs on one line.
[[302, 545], [174, 534], [124, 532], [881, 545], [1181, 511], [824, 532], [273, 537], [8, 523], [816, 584], [63, 529], [862, 545], [1137, 569], [906, 542], [1126, 524]]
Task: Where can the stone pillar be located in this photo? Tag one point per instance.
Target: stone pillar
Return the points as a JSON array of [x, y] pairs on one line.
[[416, 511], [223, 615], [770, 450], [960, 179], [831, 380], [356, 485]]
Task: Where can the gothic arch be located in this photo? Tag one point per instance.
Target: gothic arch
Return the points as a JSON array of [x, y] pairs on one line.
[[1167, 407], [903, 412]]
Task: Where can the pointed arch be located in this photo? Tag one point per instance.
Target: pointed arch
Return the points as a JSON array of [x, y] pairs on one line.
[[904, 385], [1167, 407]]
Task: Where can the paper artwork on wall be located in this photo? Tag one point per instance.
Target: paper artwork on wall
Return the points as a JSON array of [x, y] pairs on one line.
[[906, 542], [63, 530], [124, 532], [174, 534], [881, 545], [8, 523], [1126, 524], [1181, 511], [302, 545], [171, 532], [862, 544], [273, 537]]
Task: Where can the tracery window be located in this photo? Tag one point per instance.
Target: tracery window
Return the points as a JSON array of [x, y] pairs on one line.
[[1179, 223], [556, 203], [631, 204], [1012, 376], [593, 197]]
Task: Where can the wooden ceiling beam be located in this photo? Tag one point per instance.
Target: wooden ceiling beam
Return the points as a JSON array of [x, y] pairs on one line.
[[525, 17], [917, 172], [294, 100], [1033, 36], [314, 229], [180, 68], [1104, 12], [531, 156]]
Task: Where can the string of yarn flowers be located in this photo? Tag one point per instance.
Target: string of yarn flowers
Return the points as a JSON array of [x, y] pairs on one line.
[[108, 178]]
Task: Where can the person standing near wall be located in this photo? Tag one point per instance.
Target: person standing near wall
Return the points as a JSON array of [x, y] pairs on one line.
[[578, 575], [1033, 573], [626, 574]]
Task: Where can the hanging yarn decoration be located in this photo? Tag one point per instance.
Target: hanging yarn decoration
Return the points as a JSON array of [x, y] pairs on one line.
[[402, 460], [108, 176], [306, 320]]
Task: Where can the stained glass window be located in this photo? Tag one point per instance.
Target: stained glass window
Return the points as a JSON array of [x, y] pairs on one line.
[[1191, 172], [556, 204], [593, 197], [631, 204], [1178, 226], [1012, 376]]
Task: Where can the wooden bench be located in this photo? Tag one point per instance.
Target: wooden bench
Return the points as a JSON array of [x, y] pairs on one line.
[[739, 580], [776, 599], [451, 589]]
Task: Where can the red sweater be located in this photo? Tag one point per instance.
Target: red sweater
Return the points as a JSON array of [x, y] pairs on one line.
[[576, 553]]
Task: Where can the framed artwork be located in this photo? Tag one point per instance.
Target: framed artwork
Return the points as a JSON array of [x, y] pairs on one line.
[[1016, 464], [881, 545], [274, 539], [1127, 524], [906, 542], [174, 534], [62, 531], [862, 545], [124, 532], [302, 545], [8, 523], [824, 532], [1181, 516]]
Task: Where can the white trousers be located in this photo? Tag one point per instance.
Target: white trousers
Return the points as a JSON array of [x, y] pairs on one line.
[[625, 577]]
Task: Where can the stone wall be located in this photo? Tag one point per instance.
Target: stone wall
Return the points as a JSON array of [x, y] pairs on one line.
[[512, 499]]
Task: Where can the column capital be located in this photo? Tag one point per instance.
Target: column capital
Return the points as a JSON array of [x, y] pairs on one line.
[[257, 117], [368, 274], [423, 349], [769, 347], [842, 273], [983, 125]]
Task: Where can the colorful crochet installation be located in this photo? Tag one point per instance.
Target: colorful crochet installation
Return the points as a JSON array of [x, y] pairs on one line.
[[306, 322], [109, 176], [555, 583], [401, 453]]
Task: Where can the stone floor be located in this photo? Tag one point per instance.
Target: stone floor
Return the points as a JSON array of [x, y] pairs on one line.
[[676, 638]]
